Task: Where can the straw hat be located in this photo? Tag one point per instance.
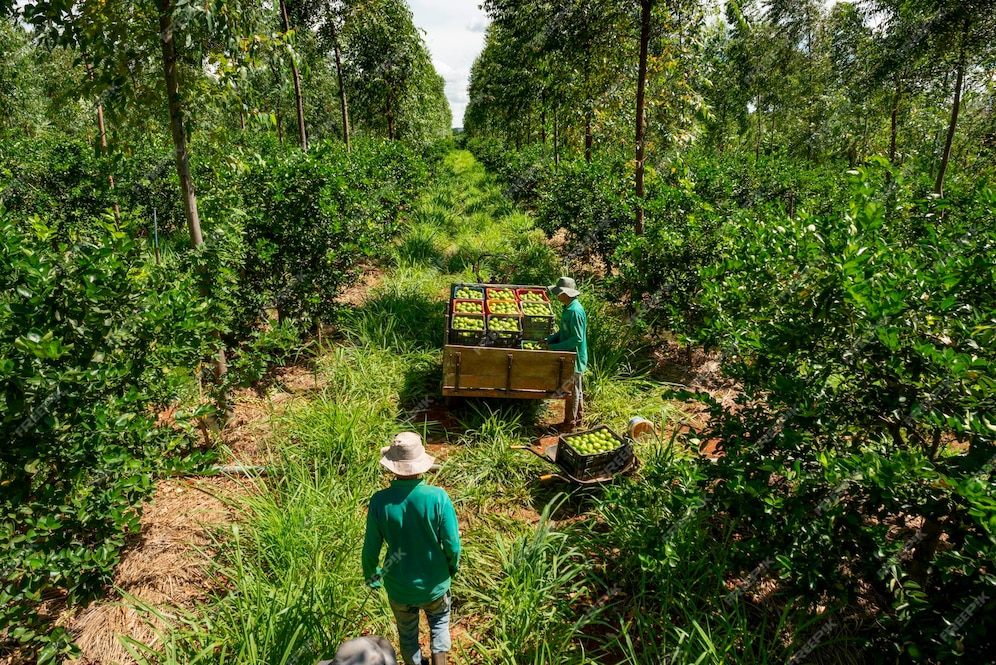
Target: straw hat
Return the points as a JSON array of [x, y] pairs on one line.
[[566, 286], [406, 455]]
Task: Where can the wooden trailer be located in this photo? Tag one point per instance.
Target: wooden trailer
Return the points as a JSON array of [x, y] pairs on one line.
[[477, 371], [500, 371]]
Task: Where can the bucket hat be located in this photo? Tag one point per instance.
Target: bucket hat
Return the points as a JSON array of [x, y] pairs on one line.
[[566, 286], [406, 455]]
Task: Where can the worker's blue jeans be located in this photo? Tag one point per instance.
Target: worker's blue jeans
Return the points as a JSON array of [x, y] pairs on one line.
[[438, 614]]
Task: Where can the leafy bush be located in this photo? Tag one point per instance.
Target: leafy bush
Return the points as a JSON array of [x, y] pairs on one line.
[[312, 217], [585, 200], [860, 453], [85, 330], [660, 269]]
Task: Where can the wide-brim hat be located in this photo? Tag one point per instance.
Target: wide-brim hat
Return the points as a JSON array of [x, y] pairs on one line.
[[406, 455], [566, 286]]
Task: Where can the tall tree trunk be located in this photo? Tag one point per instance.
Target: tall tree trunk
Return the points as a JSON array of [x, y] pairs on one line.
[[187, 194], [176, 124], [556, 139], [955, 107], [103, 139], [760, 128], [543, 119], [589, 137], [242, 118], [342, 85], [302, 132], [894, 119], [641, 92]]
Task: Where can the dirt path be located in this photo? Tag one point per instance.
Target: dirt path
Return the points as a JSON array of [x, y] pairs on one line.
[[166, 564]]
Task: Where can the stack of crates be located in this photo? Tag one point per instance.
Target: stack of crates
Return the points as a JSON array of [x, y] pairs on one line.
[[510, 317], [467, 309]]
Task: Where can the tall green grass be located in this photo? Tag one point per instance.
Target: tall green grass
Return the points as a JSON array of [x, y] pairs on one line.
[[287, 575], [527, 597]]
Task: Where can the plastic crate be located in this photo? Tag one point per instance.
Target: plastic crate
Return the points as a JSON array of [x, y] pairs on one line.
[[535, 326], [478, 303], [586, 467], [506, 339], [472, 287], [469, 337], [542, 292], [491, 303], [541, 342], [494, 293]]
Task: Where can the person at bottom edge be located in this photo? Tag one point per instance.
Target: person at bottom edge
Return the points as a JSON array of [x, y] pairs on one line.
[[419, 525], [371, 650], [572, 336]]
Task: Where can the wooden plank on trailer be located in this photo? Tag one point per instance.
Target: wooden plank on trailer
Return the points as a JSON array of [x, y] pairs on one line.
[[506, 370], [490, 392]]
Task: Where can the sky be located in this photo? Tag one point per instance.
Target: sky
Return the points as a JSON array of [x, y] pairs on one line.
[[454, 33]]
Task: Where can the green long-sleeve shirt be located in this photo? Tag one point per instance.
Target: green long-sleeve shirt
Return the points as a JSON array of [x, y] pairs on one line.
[[423, 542], [573, 335]]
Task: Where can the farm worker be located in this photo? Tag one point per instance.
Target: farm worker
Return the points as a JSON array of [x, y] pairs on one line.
[[419, 524], [572, 336]]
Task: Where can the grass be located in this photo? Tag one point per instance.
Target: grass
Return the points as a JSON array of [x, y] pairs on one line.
[[586, 577]]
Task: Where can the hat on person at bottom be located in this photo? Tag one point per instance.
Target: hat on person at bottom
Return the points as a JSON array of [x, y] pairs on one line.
[[566, 286], [406, 455], [373, 650]]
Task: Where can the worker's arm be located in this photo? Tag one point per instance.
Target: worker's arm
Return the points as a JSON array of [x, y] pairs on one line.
[[569, 336], [372, 543], [449, 535]]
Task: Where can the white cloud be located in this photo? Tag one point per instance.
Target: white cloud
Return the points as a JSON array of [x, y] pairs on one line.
[[479, 24], [454, 33]]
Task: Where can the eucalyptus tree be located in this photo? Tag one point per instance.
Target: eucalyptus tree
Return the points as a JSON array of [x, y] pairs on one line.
[[302, 131], [382, 47], [24, 108], [956, 37], [334, 16], [505, 86], [123, 37]]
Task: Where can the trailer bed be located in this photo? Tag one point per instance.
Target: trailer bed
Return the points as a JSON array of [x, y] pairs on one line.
[[484, 371]]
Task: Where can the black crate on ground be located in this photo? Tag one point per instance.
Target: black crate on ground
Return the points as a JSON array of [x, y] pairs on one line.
[[506, 339], [586, 467], [468, 337]]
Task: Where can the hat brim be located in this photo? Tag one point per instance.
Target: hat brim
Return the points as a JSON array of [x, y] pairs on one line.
[[406, 467], [557, 290]]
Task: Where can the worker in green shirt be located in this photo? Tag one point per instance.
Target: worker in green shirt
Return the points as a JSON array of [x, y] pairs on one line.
[[572, 336], [419, 524]]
